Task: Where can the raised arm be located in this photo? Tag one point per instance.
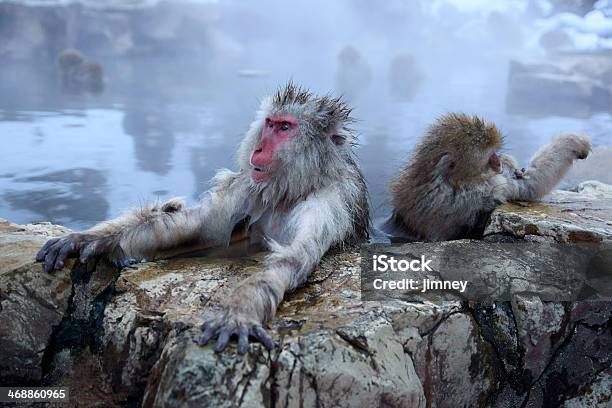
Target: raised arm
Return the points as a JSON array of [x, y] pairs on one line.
[[147, 232], [313, 226], [548, 166]]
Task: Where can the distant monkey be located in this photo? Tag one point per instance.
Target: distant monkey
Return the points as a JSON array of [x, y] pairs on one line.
[[77, 74], [298, 189], [456, 177], [354, 74]]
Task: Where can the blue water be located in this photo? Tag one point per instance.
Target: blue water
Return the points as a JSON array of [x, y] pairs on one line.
[[165, 124]]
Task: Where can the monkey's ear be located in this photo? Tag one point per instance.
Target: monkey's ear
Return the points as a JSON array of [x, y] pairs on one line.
[[446, 165]]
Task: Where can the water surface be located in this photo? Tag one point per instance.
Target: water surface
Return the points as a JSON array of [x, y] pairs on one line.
[[167, 121]]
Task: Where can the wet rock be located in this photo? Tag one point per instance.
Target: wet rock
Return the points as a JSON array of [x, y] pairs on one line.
[[129, 339], [572, 85], [454, 360], [43, 313], [32, 302], [596, 396], [583, 215], [541, 328], [323, 355], [582, 363]]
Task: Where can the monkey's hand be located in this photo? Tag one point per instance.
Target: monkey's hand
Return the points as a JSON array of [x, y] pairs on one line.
[[519, 173], [82, 245], [234, 318], [577, 146]]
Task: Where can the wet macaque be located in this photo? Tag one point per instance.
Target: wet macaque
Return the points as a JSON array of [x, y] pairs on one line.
[[354, 74], [299, 191], [457, 176], [405, 77], [77, 74]]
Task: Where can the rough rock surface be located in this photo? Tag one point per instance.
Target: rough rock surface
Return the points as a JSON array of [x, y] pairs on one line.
[[582, 215], [40, 311], [128, 339], [31, 303]]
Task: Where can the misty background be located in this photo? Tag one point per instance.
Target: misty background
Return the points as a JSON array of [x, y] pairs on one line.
[[182, 80]]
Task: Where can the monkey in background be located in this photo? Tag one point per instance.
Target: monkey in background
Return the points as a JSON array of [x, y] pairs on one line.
[[354, 74], [77, 74], [298, 189], [456, 177]]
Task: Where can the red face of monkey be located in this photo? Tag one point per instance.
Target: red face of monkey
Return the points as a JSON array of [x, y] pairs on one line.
[[276, 131]]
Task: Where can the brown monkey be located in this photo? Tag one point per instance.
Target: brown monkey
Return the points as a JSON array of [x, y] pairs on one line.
[[298, 188], [456, 177], [77, 74]]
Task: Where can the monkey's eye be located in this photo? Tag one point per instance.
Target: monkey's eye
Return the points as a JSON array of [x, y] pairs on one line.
[[285, 126], [269, 123]]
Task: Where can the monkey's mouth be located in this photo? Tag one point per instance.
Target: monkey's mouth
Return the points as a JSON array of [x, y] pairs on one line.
[[261, 173]]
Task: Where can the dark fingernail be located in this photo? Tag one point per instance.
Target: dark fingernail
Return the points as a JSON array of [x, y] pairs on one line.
[[243, 340], [48, 265], [206, 336], [222, 341]]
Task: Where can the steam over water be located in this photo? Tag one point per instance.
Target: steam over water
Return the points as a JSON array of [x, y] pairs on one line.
[[183, 80]]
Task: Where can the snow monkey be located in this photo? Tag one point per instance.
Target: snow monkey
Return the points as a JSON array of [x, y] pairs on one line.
[[77, 74], [456, 177], [298, 189]]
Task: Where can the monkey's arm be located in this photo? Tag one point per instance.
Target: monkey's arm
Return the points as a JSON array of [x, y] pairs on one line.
[[147, 232], [315, 225], [548, 167]]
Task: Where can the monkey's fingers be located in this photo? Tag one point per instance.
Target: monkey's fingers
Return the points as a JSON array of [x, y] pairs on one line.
[[223, 339], [40, 256], [209, 332], [262, 336], [87, 252], [66, 250], [52, 255], [90, 251], [243, 339]]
